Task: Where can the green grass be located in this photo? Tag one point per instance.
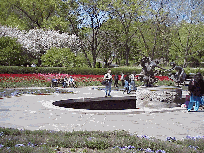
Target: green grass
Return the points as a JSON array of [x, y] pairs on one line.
[[14, 140]]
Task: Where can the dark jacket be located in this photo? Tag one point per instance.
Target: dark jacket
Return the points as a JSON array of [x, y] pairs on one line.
[[116, 77], [196, 87], [127, 78]]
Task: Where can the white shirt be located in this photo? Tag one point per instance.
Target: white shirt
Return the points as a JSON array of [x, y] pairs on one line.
[[107, 76]]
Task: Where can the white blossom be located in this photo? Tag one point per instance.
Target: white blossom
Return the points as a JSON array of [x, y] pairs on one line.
[[36, 40]]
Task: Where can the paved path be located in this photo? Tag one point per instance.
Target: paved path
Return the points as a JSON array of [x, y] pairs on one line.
[[37, 112]]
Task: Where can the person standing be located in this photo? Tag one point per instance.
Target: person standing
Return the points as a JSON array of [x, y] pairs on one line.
[[71, 82], [127, 84], [116, 78], [196, 89], [122, 79], [108, 78], [132, 80]]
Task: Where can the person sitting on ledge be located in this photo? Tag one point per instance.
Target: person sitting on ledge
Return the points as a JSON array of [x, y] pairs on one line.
[[71, 82], [65, 83]]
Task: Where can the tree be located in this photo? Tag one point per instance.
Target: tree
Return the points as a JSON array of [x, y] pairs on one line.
[[127, 12], [112, 46], [27, 14], [11, 52], [187, 42], [38, 41], [154, 36], [62, 57], [91, 18], [56, 57]]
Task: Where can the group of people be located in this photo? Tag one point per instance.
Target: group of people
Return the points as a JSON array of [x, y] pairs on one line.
[[128, 81], [66, 82]]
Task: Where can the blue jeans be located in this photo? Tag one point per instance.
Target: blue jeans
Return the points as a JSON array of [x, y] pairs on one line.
[[64, 84], [133, 84], [194, 99], [202, 100], [108, 88], [127, 86]]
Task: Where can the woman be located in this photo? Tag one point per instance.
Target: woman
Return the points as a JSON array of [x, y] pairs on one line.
[[196, 89]]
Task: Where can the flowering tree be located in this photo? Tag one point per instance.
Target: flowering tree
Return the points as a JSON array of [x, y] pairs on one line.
[[38, 41]]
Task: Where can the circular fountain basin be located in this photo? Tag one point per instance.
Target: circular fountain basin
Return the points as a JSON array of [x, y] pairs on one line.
[[99, 103]]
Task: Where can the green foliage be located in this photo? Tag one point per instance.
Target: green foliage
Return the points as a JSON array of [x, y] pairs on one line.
[[80, 70], [128, 29], [187, 43], [63, 57], [57, 57], [89, 141], [11, 52], [27, 14], [65, 70], [101, 144]]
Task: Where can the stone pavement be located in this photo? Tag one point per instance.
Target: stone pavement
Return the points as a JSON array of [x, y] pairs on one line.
[[35, 112]]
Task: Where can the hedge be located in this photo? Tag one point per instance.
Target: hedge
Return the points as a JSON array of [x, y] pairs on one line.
[[64, 70], [83, 71]]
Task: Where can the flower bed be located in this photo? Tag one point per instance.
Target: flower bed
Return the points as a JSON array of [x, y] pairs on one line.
[[44, 80]]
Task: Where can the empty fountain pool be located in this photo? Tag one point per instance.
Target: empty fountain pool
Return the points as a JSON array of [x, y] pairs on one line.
[[100, 103]]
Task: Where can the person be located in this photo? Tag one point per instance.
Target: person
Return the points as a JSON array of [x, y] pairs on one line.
[[33, 65], [127, 84], [54, 83], [132, 80], [196, 89], [108, 78], [65, 82], [122, 79], [116, 78], [71, 81]]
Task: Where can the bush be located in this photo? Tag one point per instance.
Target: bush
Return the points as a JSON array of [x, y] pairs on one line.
[[64, 70], [79, 70], [58, 57], [11, 52]]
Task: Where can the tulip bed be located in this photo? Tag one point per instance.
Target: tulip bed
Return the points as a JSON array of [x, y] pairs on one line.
[[44, 80]]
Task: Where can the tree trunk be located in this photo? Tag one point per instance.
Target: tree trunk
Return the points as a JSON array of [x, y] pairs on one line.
[[127, 54], [86, 56]]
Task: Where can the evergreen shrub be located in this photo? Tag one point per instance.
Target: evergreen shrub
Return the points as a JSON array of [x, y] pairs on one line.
[[82, 71]]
